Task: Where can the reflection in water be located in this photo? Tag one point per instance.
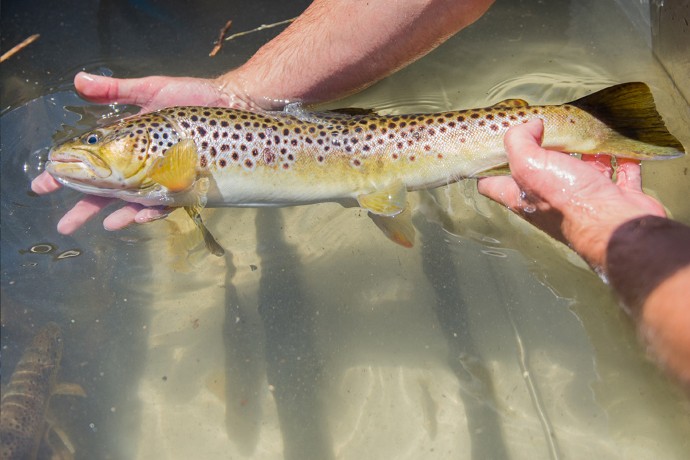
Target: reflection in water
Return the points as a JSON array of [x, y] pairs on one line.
[[314, 337]]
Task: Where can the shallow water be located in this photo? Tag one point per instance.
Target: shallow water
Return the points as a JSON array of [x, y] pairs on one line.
[[316, 337]]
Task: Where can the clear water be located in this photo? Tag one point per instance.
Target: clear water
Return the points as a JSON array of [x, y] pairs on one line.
[[317, 338]]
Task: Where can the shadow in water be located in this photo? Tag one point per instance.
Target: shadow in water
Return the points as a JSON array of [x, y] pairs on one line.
[[242, 334], [451, 309], [293, 366], [294, 369]]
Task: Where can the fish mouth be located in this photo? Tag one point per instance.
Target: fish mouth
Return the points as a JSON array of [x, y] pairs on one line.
[[78, 164]]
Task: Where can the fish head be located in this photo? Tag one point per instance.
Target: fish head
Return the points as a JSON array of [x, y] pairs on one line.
[[115, 157]]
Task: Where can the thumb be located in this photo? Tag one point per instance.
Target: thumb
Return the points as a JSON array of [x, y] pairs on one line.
[[106, 90], [524, 140]]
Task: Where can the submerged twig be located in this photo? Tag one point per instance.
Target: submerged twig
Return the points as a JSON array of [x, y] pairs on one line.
[[261, 27], [19, 47], [219, 43]]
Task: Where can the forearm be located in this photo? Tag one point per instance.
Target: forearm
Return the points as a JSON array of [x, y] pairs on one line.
[[648, 265], [337, 47]]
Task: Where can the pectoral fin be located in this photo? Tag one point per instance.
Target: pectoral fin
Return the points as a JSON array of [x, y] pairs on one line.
[[176, 169], [211, 243], [398, 229], [389, 201]]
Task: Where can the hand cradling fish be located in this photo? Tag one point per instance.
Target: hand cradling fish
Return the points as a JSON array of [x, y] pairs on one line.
[[200, 156]]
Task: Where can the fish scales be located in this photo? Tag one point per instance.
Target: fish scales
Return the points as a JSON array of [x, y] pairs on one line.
[[264, 152], [25, 400]]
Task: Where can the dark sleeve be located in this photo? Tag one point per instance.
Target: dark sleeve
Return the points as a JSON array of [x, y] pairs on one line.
[[642, 253]]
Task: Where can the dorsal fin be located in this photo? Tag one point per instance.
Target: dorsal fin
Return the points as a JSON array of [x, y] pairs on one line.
[[510, 103]]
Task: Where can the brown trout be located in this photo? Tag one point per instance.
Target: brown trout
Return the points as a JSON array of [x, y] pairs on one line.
[[202, 156], [25, 401]]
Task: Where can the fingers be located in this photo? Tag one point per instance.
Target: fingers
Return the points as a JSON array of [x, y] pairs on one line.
[[81, 213], [601, 163], [104, 90], [503, 190], [122, 217], [629, 175], [44, 183], [150, 214]]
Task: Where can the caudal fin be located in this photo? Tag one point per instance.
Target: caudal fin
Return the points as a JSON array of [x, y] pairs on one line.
[[637, 130]]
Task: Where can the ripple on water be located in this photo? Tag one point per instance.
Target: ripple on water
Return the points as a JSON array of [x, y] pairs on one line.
[[550, 88]]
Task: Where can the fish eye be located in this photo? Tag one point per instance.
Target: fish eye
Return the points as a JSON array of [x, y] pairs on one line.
[[91, 139]]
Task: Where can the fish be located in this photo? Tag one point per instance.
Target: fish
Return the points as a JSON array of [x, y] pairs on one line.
[[195, 157], [25, 401]]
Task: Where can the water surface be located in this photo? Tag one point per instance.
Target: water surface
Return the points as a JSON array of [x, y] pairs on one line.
[[316, 337]]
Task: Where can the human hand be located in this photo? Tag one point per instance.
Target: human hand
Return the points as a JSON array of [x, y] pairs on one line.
[[150, 93], [573, 201]]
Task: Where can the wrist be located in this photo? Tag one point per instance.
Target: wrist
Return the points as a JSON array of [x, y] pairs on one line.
[[243, 93], [642, 253]]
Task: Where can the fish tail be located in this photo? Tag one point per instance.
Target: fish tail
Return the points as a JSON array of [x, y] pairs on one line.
[[636, 128]]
